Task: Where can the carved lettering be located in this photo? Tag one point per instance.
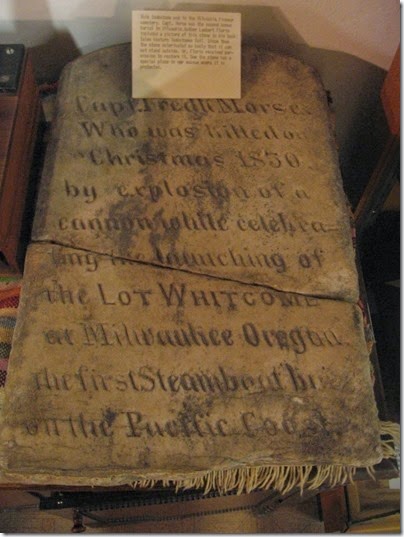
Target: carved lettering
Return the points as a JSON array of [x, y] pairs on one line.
[[284, 377], [297, 339], [229, 257], [189, 297], [59, 294]]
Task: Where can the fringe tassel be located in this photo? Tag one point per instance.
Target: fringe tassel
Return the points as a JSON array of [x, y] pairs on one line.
[[281, 478], [391, 444]]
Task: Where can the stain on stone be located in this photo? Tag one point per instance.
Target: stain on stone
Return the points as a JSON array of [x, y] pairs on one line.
[[144, 455], [357, 317], [109, 416]]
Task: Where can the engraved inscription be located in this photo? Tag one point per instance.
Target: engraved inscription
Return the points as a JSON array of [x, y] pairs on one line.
[[129, 355], [232, 188], [189, 298]]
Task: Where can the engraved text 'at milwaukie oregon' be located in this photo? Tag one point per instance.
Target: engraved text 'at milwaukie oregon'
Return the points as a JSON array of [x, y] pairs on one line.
[[298, 340]]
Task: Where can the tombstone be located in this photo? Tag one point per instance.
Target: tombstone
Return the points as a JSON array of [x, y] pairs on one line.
[[189, 310]]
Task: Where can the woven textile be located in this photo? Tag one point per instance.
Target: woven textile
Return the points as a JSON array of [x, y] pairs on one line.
[[9, 300]]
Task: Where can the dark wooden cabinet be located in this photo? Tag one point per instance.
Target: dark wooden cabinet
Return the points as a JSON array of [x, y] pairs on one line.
[[20, 114]]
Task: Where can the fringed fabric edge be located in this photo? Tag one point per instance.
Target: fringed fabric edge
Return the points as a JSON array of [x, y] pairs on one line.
[[281, 478]]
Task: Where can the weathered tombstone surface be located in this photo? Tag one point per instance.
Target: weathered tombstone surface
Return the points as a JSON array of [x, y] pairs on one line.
[[122, 370], [243, 189], [188, 302]]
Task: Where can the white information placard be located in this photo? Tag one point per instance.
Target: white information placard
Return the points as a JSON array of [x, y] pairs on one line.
[[185, 54]]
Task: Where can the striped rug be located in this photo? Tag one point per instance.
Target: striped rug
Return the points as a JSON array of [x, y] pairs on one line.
[[9, 300]]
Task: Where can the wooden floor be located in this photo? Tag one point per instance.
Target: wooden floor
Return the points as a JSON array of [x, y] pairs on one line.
[[26, 518], [371, 507]]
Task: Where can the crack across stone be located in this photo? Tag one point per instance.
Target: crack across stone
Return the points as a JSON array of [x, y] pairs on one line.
[[185, 271]]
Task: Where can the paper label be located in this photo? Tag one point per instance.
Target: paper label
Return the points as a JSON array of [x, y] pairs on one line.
[[186, 54]]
